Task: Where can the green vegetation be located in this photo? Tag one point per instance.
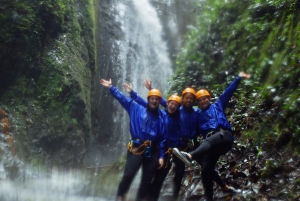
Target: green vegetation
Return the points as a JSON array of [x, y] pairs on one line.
[[47, 57], [261, 38]]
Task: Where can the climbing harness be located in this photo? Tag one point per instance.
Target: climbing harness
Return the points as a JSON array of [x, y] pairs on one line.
[[187, 146], [148, 152], [145, 148], [168, 153], [220, 130], [190, 144]]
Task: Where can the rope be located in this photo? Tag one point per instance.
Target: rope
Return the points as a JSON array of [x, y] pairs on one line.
[[185, 148], [169, 151], [134, 150]]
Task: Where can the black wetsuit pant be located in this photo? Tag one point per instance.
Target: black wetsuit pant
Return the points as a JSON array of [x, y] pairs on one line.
[[159, 178], [207, 155], [179, 172], [133, 163], [178, 175]]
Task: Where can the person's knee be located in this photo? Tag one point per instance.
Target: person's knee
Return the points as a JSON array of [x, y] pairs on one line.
[[127, 177], [207, 166], [207, 172]]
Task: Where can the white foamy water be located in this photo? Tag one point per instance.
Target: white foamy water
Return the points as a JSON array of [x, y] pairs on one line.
[[24, 182], [55, 186], [142, 53]]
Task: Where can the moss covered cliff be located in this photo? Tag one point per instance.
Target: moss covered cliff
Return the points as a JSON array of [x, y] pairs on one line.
[[47, 59], [49, 80], [261, 38]]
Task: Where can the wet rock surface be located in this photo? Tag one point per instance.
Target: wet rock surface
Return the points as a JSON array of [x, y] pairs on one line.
[[259, 173]]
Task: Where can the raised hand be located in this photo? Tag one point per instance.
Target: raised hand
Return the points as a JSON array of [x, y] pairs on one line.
[[106, 83], [127, 87], [244, 75], [148, 84]]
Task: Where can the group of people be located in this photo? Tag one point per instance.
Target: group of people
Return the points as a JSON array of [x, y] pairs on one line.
[[159, 135]]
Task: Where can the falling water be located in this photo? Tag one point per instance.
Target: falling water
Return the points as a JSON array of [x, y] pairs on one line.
[[31, 182], [54, 186], [142, 53], [139, 53]]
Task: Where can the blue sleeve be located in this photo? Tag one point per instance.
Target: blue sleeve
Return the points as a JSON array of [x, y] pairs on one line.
[[228, 93], [162, 141], [123, 100], [163, 102], [144, 103], [138, 99]]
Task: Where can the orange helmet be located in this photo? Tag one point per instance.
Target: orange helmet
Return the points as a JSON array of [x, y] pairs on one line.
[[175, 98], [154, 92], [189, 90], [201, 93]]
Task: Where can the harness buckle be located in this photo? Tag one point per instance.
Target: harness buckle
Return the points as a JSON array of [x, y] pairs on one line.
[[148, 152]]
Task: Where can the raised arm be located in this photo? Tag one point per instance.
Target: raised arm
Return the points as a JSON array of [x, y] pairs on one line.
[[134, 95], [148, 84], [244, 75], [229, 91], [106, 83], [123, 100], [127, 87]]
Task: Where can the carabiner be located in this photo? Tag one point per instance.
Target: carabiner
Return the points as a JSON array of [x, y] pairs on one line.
[[148, 152]]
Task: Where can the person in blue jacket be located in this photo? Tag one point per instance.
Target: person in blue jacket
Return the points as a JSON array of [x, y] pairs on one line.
[[188, 121], [218, 136], [146, 147], [171, 134]]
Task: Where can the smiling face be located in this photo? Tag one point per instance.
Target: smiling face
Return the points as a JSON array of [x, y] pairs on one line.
[[172, 106], [188, 100], [153, 102], [203, 102]]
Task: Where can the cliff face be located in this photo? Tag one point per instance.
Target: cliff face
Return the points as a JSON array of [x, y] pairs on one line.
[[51, 106], [47, 61], [120, 56], [261, 38], [49, 76]]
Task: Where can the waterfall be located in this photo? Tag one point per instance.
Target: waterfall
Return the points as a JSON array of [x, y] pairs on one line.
[[132, 47], [138, 51], [143, 52], [58, 186], [20, 181]]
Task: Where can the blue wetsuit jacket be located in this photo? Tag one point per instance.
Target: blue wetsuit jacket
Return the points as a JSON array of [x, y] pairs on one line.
[[188, 124], [214, 116], [188, 121], [144, 124], [171, 121]]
